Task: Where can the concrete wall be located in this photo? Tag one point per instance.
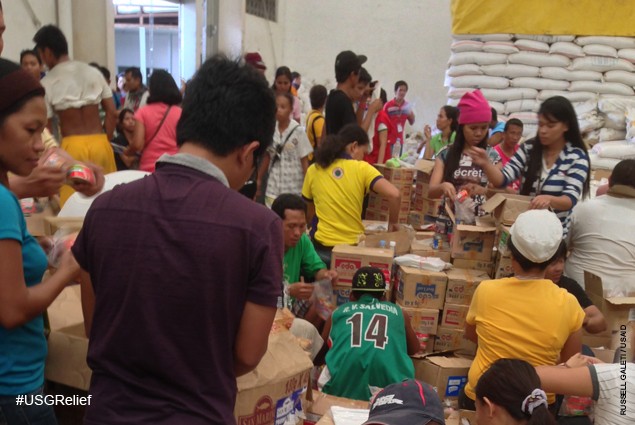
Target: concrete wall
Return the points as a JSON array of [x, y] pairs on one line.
[[20, 26], [409, 42]]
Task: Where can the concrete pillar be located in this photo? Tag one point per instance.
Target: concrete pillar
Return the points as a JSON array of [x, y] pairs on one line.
[[93, 31], [225, 27]]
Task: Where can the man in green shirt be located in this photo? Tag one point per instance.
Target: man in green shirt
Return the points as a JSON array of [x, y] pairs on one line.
[[369, 341], [300, 259]]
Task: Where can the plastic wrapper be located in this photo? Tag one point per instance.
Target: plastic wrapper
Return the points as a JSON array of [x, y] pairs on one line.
[[464, 208], [63, 241], [322, 298], [56, 158], [423, 263], [576, 406]]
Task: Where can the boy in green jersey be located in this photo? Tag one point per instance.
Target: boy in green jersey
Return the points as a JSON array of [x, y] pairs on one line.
[[369, 341]]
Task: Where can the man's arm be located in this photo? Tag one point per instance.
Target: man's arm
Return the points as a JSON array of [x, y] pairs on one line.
[[253, 337], [411, 338], [373, 108], [572, 346], [594, 321]]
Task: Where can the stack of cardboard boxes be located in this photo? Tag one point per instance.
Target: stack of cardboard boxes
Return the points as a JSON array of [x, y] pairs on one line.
[[401, 178], [423, 205]]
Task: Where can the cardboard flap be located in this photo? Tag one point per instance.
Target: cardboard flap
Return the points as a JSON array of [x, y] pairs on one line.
[[450, 362], [474, 228], [66, 310], [284, 358], [424, 165], [403, 238], [621, 301], [494, 202]]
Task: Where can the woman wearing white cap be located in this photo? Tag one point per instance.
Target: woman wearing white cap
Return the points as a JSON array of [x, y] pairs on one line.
[[526, 316]]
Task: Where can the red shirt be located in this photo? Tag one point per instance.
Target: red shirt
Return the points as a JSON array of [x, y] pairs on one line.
[[398, 115], [382, 118]]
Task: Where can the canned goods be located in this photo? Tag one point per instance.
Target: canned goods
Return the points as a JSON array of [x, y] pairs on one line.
[[462, 196], [54, 160], [79, 173]]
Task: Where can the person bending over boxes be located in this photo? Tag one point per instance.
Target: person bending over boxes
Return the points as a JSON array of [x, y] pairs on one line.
[[300, 259], [369, 341], [526, 316]]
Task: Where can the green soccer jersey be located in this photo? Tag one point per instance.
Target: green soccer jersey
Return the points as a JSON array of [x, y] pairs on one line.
[[367, 347]]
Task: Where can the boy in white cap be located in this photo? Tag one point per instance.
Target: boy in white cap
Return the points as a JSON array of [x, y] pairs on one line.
[[525, 317]]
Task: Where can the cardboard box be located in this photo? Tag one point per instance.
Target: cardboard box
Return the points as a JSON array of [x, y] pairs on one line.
[[504, 233], [423, 320], [467, 417], [402, 238], [36, 222], [454, 315], [274, 391], [446, 373], [421, 288], [376, 215], [507, 207], [598, 174], [397, 176], [484, 266], [615, 309], [67, 342], [423, 248], [503, 267], [319, 407], [347, 259], [427, 206], [461, 285], [378, 203], [600, 346], [341, 294], [424, 169], [372, 227], [453, 339], [473, 242]]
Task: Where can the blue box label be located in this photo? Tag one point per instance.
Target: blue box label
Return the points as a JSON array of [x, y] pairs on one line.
[[454, 385]]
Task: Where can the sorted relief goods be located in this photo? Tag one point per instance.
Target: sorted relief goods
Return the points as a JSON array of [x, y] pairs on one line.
[[420, 288]]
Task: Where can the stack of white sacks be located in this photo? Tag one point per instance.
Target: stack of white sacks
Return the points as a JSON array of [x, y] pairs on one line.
[[517, 72]]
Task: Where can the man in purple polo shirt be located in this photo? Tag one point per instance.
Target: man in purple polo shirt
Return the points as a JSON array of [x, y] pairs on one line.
[[180, 273]]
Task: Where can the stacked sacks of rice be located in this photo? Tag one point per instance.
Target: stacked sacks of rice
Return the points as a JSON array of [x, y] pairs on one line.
[[517, 72]]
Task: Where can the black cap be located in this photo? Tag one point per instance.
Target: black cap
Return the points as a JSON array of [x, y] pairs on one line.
[[369, 279], [347, 62], [405, 403]]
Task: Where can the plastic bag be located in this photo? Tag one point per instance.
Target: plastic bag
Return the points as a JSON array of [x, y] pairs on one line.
[[423, 263], [464, 208], [322, 298], [63, 241]]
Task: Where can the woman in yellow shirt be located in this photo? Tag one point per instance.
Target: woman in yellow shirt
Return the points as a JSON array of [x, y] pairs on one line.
[[335, 186], [525, 317]]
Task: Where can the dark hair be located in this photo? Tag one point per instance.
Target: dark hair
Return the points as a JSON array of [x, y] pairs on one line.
[[364, 76], [287, 96], [494, 114], [383, 96], [227, 105], [452, 113], [163, 89], [51, 37], [400, 83], [294, 75], [288, 201], [122, 114], [514, 121], [104, 71], [134, 73], [283, 70], [554, 109], [32, 52], [561, 253], [455, 150], [17, 106], [335, 144], [507, 383], [623, 173], [317, 95], [525, 263]]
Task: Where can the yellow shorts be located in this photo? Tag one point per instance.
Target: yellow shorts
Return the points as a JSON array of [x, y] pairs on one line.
[[94, 148]]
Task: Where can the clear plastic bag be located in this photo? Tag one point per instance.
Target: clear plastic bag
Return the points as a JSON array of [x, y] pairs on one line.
[[63, 241], [464, 208], [322, 298]]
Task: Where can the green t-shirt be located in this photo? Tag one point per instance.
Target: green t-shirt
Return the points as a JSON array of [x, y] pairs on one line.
[[367, 347], [437, 143], [301, 260]]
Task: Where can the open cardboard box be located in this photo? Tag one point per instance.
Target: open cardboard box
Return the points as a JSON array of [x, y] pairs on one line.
[[403, 238], [506, 207], [615, 309], [446, 372], [472, 242]]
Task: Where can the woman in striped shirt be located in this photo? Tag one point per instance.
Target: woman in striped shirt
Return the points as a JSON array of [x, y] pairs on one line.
[[553, 167]]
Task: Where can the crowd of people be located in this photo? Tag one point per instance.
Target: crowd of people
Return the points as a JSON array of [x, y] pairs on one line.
[[181, 274]]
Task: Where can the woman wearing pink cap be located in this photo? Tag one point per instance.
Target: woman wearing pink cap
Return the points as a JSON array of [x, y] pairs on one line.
[[454, 169]]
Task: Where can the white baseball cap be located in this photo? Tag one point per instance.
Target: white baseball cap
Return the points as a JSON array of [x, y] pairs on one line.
[[537, 234]]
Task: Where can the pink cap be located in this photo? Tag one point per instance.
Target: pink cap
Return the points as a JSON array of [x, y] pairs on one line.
[[473, 108]]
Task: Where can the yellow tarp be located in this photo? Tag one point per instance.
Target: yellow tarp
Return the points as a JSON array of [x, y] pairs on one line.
[[553, 17]]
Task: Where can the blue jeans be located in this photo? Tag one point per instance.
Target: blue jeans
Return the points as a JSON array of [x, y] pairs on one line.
[[12, 414]]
